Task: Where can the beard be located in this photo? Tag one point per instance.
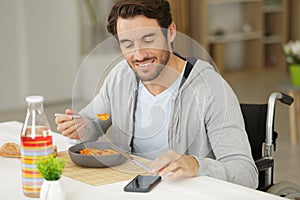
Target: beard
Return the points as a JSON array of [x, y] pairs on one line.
[[153, 72]]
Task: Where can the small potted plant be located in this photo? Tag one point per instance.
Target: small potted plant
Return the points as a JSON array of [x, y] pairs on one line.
[[291, 51], [51, 170]]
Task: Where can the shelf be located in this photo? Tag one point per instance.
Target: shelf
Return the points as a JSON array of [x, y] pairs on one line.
[[235, 37], [274, 39], [268, 21], [272, 8], [224, 2]]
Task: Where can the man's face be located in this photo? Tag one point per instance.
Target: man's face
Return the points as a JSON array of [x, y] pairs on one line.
[[144, 46]]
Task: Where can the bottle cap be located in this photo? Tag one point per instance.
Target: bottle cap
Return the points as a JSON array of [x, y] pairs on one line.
[[34, 99]]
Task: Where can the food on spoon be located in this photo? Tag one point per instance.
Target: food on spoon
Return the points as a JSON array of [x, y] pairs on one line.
[[97, 152], [103, 117]]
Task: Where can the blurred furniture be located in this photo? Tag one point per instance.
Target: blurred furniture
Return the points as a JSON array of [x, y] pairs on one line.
[[294, 19], [241, 34], [294, 111], [180, 15]]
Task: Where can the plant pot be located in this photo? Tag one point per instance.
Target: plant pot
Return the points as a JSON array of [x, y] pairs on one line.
[[52, 190], [295, 74]]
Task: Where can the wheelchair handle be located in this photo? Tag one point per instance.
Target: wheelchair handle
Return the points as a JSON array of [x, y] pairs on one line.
[[286, 99], [283, 98]]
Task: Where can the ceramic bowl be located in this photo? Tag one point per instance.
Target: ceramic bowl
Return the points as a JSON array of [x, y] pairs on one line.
[[95, 161]]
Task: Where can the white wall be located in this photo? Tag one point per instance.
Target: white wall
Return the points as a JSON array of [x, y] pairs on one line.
[[39, 50], [10, 80]]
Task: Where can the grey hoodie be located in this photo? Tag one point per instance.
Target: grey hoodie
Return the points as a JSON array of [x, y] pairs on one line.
[[206, 121]]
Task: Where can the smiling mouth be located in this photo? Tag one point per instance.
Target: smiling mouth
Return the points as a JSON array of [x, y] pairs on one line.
[[145, 63]]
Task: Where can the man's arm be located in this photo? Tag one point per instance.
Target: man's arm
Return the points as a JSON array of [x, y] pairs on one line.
[[227, 136]]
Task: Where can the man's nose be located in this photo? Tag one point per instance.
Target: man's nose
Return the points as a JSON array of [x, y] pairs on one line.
[[139, 54]]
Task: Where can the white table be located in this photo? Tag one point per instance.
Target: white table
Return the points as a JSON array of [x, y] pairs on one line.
[[193, 188]]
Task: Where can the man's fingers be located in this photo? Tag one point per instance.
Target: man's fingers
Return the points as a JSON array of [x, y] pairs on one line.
[[172, 167], [177, 174], [76, 134], [179, 165], [68, 128], [160, 163], [65, 126], [65, 117], [62, 118], [164, 160], [80, 131], [69, 111]]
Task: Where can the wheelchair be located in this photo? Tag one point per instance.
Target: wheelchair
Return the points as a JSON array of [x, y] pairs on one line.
[[259, 123]]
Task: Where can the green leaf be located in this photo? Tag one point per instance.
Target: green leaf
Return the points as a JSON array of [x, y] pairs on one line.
[[51, 168]]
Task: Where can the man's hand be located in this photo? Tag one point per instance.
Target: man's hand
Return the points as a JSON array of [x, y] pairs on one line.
[[180, 165], [70, 127]]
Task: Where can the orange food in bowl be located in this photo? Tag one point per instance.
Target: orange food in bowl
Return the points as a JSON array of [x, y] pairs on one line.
[[97, 152], [103, 116]]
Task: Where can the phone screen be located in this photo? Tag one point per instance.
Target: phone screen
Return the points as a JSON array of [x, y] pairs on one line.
[[142, 183]]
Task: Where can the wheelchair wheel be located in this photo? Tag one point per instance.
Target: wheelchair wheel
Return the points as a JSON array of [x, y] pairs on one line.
[[285, 189]]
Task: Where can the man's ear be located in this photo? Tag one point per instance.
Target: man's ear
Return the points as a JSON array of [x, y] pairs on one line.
[[172, 32]]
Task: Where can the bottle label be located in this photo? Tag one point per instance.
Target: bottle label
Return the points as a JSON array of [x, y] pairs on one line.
[[33, 149]]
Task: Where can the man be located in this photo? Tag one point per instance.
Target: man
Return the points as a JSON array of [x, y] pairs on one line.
[[179, 112]]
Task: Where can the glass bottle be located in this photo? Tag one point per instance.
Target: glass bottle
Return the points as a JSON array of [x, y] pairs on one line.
[[36, 143]]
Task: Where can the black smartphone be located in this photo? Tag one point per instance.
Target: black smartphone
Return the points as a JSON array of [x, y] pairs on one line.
[[142, 183]]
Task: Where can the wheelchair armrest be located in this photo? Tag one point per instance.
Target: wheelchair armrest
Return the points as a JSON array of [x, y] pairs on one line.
[[264, 163]]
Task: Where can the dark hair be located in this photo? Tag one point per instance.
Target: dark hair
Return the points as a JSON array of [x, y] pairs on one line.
[[154, 9]]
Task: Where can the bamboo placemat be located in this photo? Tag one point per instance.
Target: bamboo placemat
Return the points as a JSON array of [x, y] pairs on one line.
[[102, 176]]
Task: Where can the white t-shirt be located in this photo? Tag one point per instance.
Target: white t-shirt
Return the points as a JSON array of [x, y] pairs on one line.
[[152, 120]]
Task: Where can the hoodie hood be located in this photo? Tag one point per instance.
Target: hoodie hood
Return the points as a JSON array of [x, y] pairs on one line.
[[193, 69]]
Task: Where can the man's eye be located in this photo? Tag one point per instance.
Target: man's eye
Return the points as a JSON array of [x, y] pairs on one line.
[[149, 39], [127, 45]]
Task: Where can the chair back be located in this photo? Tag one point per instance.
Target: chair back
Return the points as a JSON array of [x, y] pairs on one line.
[[255, 116]]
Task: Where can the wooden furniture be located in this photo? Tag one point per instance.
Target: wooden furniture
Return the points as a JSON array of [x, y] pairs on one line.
[[179, 10], [294, 19], [240, 34], [294, 111], [275, 32]]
